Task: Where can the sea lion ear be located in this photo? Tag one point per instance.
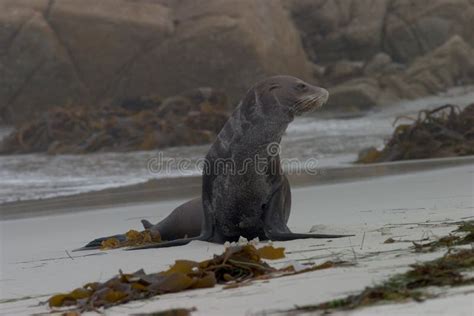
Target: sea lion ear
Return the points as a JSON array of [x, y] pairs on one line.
[[273, 86]]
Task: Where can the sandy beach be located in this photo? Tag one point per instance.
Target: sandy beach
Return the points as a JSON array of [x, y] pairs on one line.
[[36, 260]]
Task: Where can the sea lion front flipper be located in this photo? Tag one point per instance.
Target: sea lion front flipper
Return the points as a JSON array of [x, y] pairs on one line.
[[284, 236]]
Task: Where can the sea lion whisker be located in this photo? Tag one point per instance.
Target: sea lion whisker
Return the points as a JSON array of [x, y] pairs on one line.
[[300, 101], [304, 102], [315, 99]]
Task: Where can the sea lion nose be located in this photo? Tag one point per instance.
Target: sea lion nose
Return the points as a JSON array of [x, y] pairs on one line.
[[325, 95]]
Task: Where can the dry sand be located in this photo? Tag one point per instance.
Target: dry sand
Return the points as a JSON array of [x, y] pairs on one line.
[[36, 259]]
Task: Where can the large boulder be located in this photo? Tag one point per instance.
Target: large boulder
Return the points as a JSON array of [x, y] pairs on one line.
[[357, 30], [381, 64], [104, 38], [449, 65], [35, 68], [384, 82], [225, 44], [341, 71], [414, 28], [354, 96], [334, 30], [97, 52]]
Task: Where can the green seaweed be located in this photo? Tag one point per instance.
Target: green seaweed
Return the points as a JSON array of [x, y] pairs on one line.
[[450, 240], [445, 271]]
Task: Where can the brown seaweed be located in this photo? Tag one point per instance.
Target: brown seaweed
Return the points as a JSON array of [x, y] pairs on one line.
[[144, 123], [446, 131]]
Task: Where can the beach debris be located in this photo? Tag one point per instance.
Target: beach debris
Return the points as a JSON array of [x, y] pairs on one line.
[[445, 271], [467, 237], [446, 131], [242, 242], [269, 252], [237, 266], [145, 123]]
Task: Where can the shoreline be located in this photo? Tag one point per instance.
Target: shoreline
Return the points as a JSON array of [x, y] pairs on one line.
[[166, 189]]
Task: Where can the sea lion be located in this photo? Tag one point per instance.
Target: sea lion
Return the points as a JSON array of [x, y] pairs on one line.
[[244, 192]]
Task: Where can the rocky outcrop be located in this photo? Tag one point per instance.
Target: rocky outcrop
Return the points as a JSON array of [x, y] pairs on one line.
[[339, 29], [96, 52], [341, 71], [359, 29], [70, 52], [354, 96], [384, 81], [227, 44], [381, 63], [408, 49], [35, 69], [415, 28], [449, 65]]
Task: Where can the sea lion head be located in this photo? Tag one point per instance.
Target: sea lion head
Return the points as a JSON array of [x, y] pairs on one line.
[[287, 96]]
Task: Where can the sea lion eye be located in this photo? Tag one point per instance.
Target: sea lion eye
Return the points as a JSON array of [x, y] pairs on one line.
[[301, 87]]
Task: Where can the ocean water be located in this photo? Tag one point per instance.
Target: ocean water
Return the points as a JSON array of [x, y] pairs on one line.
[[328, 142]]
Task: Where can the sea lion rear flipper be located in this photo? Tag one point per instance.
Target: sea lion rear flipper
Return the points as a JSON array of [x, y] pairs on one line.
[[172, 243], [146, 224], [97, 243]]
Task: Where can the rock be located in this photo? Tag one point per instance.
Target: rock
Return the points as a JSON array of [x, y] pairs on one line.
[[104, 38], [335, 30], [342, 71], [377, 63], [449, 65], [35, 69], [54, 53], [102, 52], [357, 30], [381, 64], [353, 96], [414, 28], [225, 44], [67, 52]]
